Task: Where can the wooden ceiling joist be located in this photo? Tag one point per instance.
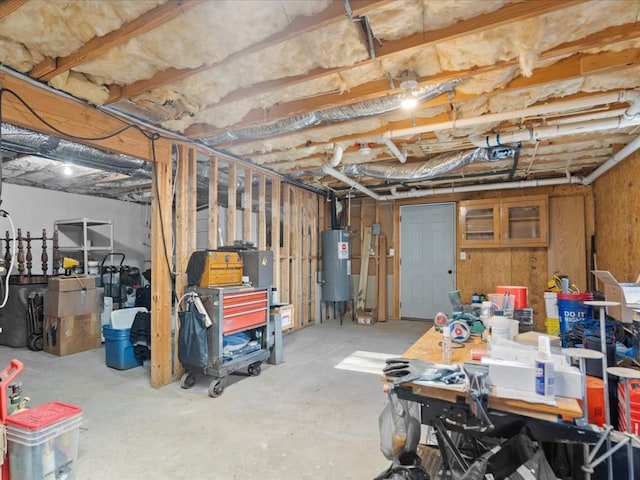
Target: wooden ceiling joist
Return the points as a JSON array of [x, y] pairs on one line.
[[76, 119], [506, 15], [100, 45], [9, 6], [566, 69], [301, 25]]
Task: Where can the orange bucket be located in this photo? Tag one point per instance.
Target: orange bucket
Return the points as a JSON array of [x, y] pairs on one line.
[[521, 300]]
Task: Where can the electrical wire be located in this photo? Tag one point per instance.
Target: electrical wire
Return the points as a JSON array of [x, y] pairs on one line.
[[152, 136], [13, 259]]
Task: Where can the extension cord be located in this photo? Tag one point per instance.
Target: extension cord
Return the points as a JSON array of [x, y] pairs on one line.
[[203, 311]]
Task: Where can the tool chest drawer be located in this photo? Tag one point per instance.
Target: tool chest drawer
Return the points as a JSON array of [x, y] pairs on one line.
[[244, 310]]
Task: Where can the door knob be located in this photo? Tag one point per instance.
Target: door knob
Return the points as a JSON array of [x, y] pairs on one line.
[[449, 272]]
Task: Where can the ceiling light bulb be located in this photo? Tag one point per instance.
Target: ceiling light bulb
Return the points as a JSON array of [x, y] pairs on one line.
[[409, 102], [67, 170]]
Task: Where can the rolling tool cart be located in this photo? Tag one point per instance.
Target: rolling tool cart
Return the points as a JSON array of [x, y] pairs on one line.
[[236, 338]]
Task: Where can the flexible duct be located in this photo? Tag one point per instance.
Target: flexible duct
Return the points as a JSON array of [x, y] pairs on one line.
[[25, 141], [363, 109], [435, 167]]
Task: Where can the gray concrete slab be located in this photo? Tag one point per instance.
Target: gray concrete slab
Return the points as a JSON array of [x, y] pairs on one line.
[[297, 420]]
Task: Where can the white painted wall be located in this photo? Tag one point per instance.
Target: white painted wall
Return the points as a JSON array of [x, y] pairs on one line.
[[33, 209]]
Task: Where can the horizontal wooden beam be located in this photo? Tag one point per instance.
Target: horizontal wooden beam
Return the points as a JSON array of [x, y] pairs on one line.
[[79, 122], [504, 16], [100, 45], [301, 25], [7, 7]]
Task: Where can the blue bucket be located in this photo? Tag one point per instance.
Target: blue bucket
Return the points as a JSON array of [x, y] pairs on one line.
[[572, 311], [118, 348]]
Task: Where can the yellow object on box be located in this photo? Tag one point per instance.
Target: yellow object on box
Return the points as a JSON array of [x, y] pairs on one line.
[[221, 269], [553, 326]]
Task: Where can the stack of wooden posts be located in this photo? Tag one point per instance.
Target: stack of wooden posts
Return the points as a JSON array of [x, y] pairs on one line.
[[378, 313]]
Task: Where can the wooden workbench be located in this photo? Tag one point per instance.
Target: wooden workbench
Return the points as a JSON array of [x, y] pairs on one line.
[[428, 348]]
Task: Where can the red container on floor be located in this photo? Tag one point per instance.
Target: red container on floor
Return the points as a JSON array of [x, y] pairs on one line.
[[521, 294], [634, 406]]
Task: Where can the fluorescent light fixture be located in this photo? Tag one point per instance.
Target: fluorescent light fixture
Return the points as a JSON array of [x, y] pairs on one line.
[[68, 170]]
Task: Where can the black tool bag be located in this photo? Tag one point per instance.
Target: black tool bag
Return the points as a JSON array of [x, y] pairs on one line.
[[193, 349]]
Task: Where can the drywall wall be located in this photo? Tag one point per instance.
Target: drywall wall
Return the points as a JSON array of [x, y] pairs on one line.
[[33, 209]]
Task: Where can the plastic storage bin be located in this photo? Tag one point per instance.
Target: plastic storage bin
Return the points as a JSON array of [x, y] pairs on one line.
[[118, 348], [42, 442]]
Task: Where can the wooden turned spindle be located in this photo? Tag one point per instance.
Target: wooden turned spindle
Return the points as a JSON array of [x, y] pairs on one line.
[[56, 253], [7, 255], [44, 257], [20, 254], [29, 256]]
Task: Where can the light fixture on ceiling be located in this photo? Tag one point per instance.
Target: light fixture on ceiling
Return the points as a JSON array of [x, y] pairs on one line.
[[410, 90], [364, 149], [68, 170]]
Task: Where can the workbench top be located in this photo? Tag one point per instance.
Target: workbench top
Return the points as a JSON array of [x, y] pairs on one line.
[[428, 348]]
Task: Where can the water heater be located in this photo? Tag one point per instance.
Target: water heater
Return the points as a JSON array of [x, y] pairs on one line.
[[336, 266]]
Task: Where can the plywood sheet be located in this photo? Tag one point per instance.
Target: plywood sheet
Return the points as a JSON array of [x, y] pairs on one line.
[[567, 245]]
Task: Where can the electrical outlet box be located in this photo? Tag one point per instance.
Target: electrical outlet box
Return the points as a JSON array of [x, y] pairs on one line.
[[463, 255]]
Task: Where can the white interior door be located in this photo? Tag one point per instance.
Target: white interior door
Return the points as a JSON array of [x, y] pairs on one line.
[[427, 259]]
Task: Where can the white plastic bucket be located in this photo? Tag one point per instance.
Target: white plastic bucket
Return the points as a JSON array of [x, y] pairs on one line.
[[551, 304]]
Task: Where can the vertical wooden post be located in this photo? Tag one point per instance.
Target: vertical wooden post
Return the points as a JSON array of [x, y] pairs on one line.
[[185, 228], [285, 271], [262, 213], [161, 206], [275, 233], [247, 227], [213, 203], [231, 204]]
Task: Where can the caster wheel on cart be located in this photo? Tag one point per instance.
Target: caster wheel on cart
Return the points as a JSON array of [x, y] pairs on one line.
[[36, 343], [188, 380], [254, 369], [216, 389]]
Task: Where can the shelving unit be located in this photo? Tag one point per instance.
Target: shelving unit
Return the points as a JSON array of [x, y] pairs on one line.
[[84, 239], [504, 223]]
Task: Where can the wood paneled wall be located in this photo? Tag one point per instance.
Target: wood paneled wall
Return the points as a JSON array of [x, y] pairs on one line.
[[617, 219], [484, 269]]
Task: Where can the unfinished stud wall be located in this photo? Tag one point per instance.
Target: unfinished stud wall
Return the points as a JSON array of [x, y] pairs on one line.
[[248, 205]]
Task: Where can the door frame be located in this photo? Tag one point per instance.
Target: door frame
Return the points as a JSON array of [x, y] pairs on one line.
[[396, 245]]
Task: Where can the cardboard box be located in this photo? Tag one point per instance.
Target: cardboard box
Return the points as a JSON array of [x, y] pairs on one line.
[[366, 317], [286, 315], [67, 335], [522, 376], [70, 283], [627, 294], [71, 303]]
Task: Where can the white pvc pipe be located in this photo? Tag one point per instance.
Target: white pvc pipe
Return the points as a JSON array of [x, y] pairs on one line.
[[448, 190], [552, 131], [394, 149], [628, 149], [337, 156], [611, 97]]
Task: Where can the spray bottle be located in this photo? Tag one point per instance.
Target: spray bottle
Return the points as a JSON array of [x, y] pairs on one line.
[[544, 368]]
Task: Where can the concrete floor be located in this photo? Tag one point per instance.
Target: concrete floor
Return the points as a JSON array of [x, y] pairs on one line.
[[300, 419]]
